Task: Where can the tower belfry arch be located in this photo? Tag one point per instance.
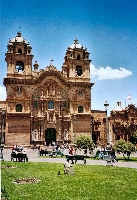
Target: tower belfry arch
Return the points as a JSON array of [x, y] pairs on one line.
[[19, 57]]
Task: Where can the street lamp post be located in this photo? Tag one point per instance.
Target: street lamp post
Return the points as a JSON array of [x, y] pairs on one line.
[[106, 104], [91, 123], [108, 147], [2, 139], [74, 128]]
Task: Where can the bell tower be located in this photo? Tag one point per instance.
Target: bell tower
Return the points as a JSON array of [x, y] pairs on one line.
[[76, 69], [77, 63], [19, 58]]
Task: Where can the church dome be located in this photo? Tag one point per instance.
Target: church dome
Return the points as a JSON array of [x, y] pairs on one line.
[[76, 45], [18, 38], [118, 107]]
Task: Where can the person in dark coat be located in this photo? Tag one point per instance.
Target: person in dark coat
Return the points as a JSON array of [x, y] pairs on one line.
[[113, 155]]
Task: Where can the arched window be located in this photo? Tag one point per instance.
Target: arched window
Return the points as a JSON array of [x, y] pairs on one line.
[[20, 51], [79, 70], [35, 104], [64, 104], [18, 108], [78, 57], [19, 90], [87, 57], [80, 109], [50, 104], [19, 66]]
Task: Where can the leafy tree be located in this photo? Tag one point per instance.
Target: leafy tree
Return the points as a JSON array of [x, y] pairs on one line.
[[84, 141], [124, 147], [135, 136]]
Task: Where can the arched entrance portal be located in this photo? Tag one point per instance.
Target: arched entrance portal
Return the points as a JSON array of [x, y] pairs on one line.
[[132, 139], [50, 135], [94, 138], [118, 137]]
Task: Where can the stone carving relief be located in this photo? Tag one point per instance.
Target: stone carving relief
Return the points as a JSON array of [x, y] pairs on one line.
[[65, 135], [34, 135], [74, 95], [87, 106], [51, 67], [10, 92], [51, 116], [50, 89]]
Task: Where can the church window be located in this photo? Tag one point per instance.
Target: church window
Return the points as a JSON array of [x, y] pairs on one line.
[[64, 104], [80, 93], [19, 90], [78, 57], [50, 104], [35, 104], [79, 70], [18, 108], [19, 66], [20, 51], [80, 109]]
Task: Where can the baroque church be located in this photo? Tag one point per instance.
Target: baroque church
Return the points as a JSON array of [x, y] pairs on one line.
[[45, 105]]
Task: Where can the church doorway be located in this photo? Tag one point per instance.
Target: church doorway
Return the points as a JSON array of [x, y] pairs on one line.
[[118, 137], [132, 139], [50, 135], [94, 138]]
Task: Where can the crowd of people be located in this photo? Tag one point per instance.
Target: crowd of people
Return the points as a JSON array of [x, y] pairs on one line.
[[18, 153], [102, 153], [63, 147], [16, 148], [55, 147]]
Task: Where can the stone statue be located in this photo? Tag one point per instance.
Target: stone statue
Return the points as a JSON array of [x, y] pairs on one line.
[[68, 169]]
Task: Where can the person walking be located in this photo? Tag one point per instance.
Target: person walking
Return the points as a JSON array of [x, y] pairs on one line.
[[113, 156]]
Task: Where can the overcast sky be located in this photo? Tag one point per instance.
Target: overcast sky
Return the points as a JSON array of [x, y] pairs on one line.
[[107, 28]]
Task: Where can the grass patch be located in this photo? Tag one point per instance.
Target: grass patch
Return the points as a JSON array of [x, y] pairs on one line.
[[131, 159], [88, 183], [119, 158]]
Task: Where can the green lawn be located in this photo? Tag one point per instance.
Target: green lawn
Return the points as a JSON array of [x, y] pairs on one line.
[[131, 159], [119, 158], [88, 183]]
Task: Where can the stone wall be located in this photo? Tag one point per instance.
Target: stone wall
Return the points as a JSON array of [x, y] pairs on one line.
[[18, 132]]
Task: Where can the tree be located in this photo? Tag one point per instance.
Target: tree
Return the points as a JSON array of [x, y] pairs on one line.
[[84, 141], [124, 147], [135, 137]]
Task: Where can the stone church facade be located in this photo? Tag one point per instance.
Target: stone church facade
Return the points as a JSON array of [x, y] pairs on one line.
[[48, 105], [45, 105]]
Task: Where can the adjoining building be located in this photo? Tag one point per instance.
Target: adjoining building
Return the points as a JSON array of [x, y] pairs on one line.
[[45, 105], [123, 122]]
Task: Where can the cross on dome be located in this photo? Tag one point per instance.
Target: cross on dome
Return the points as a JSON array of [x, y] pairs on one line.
[[51, 61], [19, 34], [76, 41]]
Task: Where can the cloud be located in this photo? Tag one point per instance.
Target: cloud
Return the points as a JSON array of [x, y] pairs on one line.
[[102, 73], [2, 93]]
